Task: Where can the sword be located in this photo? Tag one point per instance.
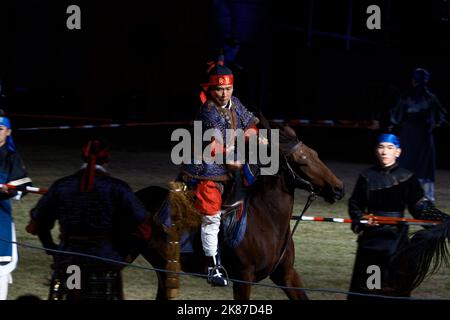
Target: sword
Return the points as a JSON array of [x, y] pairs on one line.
[[26, 189]]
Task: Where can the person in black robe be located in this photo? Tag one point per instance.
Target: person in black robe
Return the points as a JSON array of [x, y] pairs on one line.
[[386, 190], [13, 183], [414, 116]]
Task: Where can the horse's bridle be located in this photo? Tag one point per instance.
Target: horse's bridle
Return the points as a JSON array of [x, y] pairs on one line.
[[299, 181], [312, 196], [306, 185]]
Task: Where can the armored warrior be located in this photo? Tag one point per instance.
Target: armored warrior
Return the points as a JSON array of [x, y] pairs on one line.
[[96, 213], [221, 111]]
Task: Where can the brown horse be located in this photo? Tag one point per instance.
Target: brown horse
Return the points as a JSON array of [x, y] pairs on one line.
[[267, 249]]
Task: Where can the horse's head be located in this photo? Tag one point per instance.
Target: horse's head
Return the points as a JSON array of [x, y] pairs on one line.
[[306, 168]]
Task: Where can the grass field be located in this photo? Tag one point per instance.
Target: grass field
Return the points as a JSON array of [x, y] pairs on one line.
[[324, 251]]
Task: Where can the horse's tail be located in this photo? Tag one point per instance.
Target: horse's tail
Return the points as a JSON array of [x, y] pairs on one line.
[[183, 218], [426, 252], [182, 209]]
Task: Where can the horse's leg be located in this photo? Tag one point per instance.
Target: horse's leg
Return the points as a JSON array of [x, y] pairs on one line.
[[285, 275], [289, 278], [159, 263], [152, 197], [242, 291], [161, 293]]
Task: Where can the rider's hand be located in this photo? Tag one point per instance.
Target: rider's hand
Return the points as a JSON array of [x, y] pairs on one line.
[[263, 140], [4, 189], [230, 149], [371, 222]]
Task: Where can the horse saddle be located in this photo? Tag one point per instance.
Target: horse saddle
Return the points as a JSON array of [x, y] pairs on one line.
[[234, 211]]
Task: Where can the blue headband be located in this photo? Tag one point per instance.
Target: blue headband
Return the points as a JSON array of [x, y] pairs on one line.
[[389, 138], [4, 121]]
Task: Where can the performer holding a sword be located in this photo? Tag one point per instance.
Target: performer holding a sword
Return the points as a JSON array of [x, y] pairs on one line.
[[12, 173], [385, 191]]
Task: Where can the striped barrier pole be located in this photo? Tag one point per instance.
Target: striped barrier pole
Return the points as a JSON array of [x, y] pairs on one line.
[[61, 117], [26, 189], [360, 123], [292, 122], [377, 219], [108, 125]]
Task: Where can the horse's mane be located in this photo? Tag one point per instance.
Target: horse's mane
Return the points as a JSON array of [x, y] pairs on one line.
[[288, 137]]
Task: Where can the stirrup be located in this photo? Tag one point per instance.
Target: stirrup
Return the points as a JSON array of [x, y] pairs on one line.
[[216, 276]]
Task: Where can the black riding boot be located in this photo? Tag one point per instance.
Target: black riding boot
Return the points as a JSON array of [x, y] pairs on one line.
[[216, 273]]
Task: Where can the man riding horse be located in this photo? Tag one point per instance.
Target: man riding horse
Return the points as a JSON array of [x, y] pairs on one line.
[[220, 111]]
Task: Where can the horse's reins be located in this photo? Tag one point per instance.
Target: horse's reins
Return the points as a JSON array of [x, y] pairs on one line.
[[312, 196]]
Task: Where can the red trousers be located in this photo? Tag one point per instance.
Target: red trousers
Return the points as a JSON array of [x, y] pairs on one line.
[[208, 198]]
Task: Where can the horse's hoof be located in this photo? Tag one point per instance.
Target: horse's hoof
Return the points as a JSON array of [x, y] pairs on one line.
[[172, 293]]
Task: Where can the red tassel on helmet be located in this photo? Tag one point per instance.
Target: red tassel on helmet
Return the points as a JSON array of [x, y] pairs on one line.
[[94, 152]]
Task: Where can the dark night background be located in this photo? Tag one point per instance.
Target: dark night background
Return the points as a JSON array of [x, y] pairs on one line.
[[143, 61]]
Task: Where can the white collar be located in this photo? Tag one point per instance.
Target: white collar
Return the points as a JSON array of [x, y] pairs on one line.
[[227, 106], [97, 167]]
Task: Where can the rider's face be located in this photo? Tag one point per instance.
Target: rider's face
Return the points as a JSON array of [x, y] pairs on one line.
[[221, 94]]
